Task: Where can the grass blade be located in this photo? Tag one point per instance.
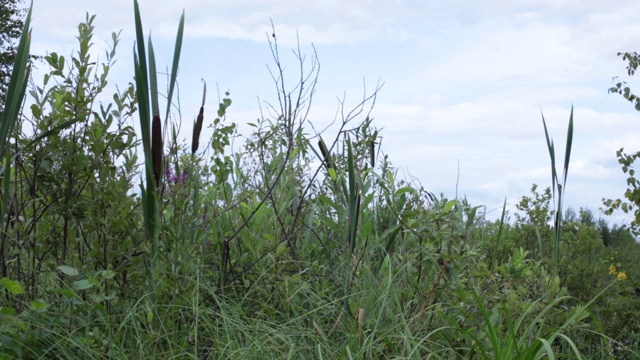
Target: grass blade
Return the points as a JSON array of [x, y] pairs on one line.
[[353, 209], [176, 61], [17, 84], [552, 155], [142, 82], [567, 152], [557, 187], [501, 227], [153, 81], [6, 188]]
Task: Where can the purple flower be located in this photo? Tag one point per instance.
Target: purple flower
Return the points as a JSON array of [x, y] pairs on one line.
[[173, 178]]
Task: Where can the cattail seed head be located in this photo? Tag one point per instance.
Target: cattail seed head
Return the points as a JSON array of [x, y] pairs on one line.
[[325, 154], [372, 149], [197, 128], [156, 148]]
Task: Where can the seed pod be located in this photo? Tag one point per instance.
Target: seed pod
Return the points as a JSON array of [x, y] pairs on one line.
[[372, 149], [325, 154], [156, 148], [197, 127]]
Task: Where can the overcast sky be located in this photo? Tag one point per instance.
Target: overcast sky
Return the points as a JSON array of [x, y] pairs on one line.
[[464, 81]]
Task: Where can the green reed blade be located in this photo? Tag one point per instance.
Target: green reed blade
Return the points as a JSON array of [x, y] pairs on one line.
[[501, 227], [176, 61], [353, 203], [142, 82], [558, 187], [153, 79], [353, 197], [552, 155], [142, 94], [567, 153], [6, 188], [17, 84]]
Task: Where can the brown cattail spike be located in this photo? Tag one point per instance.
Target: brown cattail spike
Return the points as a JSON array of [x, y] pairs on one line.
[[197, 127], [156, 148], [325, 154], [372, 149]]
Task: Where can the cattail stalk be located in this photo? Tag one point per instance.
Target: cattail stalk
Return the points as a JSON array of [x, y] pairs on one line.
[[361, 325]]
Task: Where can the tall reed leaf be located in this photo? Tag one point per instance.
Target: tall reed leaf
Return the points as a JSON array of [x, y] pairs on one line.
[[174, 67], [558, 187], [146, 90], [501, 227], [142, 82], [13, 103], [17, 85], [353, 213]]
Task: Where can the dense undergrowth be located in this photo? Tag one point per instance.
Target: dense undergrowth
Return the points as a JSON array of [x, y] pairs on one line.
[[290, 246]]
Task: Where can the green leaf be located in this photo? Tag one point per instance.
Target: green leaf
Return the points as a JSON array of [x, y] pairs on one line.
[[280, 249], [108, 274], [68, 270], [10, 344], [38, 305], [46, 164], [405, 190], [8, 311], [14, 287], [68, 294], [332, 174], [36, 111], [449, 206], [83, 284], [269, 238]]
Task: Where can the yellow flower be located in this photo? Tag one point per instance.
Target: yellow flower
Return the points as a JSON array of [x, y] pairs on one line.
[[622, 276], [612, 270]]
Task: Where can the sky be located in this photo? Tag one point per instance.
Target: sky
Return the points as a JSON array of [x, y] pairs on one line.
[[464, 82]]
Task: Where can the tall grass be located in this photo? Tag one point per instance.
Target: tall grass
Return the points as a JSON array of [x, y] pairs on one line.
[[147, 91], [558, 183]]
